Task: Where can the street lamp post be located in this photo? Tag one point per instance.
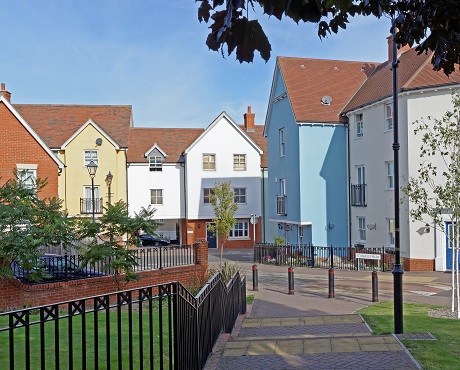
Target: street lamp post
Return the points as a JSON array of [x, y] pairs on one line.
[[92, 168], [108, 181], [397, 270]]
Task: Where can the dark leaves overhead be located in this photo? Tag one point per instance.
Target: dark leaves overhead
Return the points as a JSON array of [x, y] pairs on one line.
[[433, 25]]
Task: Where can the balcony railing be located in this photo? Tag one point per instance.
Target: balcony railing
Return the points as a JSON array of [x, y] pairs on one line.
[[281, 205], [358, 195], [86, 205]]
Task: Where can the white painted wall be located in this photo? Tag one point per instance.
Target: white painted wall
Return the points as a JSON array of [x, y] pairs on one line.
[[223, 140], [373, 150], [141, 180]]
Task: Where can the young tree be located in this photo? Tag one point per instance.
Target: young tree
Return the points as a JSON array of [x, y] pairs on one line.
[[223, 203], [432, 24], [111, 237], [27, 224], [435, 193]]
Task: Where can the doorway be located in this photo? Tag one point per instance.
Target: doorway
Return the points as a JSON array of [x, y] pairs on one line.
[[210, 237]]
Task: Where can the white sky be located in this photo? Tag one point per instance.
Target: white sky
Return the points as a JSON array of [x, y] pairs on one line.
[[152, 55]]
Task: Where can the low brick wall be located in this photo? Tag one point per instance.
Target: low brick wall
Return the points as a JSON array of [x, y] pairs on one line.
[[14, 294], [415, 264]]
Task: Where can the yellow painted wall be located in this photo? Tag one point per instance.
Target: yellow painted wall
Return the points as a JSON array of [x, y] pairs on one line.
[[75, 175]]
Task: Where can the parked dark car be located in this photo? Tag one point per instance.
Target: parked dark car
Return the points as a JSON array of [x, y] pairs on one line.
[[55, 267], [147, 240]]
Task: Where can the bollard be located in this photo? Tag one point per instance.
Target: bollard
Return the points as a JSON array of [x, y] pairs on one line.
[[255, 278], [291, 280], [375, 287], [331, 283]]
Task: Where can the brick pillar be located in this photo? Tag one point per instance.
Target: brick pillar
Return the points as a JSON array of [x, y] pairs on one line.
[[201, 253]]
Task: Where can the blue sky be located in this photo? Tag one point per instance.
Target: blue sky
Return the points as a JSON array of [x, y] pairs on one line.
[[152, 55]]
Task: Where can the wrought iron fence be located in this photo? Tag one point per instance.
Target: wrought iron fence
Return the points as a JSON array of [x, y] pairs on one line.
[[325, 257], [161, 326], [70, 267]]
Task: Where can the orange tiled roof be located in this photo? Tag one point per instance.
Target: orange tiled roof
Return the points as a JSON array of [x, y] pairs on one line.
[[308, 80], [414, 72], [261, 141], [57, 123], [173, 141]]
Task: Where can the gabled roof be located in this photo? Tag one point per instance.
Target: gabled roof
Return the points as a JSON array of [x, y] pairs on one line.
[[97, 128], [157, 147], [226, 117], [308, 80], [414, 72], [172, 141], [31, 131], [55, 124]]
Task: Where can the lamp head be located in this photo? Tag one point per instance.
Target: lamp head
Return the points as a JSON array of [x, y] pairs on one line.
[[108, 179], [92, 168]]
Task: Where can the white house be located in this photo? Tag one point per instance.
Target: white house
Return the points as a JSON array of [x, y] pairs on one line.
[[423, 92], [174, 170]]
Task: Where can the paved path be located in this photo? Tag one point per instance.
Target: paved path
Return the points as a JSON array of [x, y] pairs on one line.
[[308, 330]]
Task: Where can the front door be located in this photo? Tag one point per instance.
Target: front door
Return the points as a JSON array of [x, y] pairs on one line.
[[210, 237], [449, 244]]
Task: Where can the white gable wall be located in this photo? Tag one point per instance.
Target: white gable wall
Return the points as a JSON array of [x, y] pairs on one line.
[[223, 140]]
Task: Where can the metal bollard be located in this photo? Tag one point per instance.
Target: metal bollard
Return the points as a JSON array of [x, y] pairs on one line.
[[255, 278], [291, 280], [375, 287], [331, 283]]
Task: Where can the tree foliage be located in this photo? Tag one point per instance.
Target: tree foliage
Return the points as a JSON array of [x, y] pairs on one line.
[[434, 25], [112, 237], [28, 223], [435, 193], [222, 199]]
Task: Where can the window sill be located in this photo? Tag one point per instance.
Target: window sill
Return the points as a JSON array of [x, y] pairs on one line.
[[240, 238]]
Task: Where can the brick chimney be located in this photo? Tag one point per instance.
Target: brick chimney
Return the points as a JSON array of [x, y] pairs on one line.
[[249, 120], [5, 93], [390, 48]]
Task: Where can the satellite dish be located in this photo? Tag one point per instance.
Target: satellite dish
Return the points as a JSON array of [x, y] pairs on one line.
[[326, 100], [99, 141]]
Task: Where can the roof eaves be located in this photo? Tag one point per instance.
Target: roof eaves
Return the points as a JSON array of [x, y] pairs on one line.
[[97, 127]]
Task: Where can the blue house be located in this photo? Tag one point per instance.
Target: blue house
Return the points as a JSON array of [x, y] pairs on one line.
[[308, 150]]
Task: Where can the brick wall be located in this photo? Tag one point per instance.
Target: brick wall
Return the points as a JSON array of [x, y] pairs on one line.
[[415, 264], [17, 145], [14, 294]]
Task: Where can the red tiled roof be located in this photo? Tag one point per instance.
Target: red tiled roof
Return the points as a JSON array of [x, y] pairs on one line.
[[309, 80], [173, 141], [261, 141], [55, 124], [414, 72]]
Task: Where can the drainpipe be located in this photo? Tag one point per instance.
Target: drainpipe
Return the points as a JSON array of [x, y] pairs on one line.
[[183, 163], [263, 205], [347, 125]]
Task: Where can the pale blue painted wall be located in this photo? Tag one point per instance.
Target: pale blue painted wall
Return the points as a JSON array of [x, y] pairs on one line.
[[323, 183]]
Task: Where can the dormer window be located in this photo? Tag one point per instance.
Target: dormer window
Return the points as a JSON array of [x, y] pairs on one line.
[[156, 163]]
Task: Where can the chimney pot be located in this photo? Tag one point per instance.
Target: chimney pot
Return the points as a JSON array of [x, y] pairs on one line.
[[249, 120], [5, 93]]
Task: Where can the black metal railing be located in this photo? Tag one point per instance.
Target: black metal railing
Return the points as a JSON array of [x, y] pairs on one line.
[[86, 205], [161, 326], [358, 195], [325, 257], [70, 267], [281, 205]]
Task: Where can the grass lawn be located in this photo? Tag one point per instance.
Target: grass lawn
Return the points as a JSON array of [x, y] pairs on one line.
[[119, 336], [444, 353]]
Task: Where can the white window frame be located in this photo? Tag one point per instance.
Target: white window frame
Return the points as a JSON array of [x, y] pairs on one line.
[[282, 142], [391, 232], [157, 196], [359, 123], [361, 174], [389, 117], [300, 231], [239, 162], [390, 175], [240, 194], [90, 155], [28, 177], [88, 194], [156, 163], [240, 230], [361, 221], [209, 162], [207, 195], [283, 187]]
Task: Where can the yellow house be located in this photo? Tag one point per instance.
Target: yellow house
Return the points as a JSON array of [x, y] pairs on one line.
[[82, 135]]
